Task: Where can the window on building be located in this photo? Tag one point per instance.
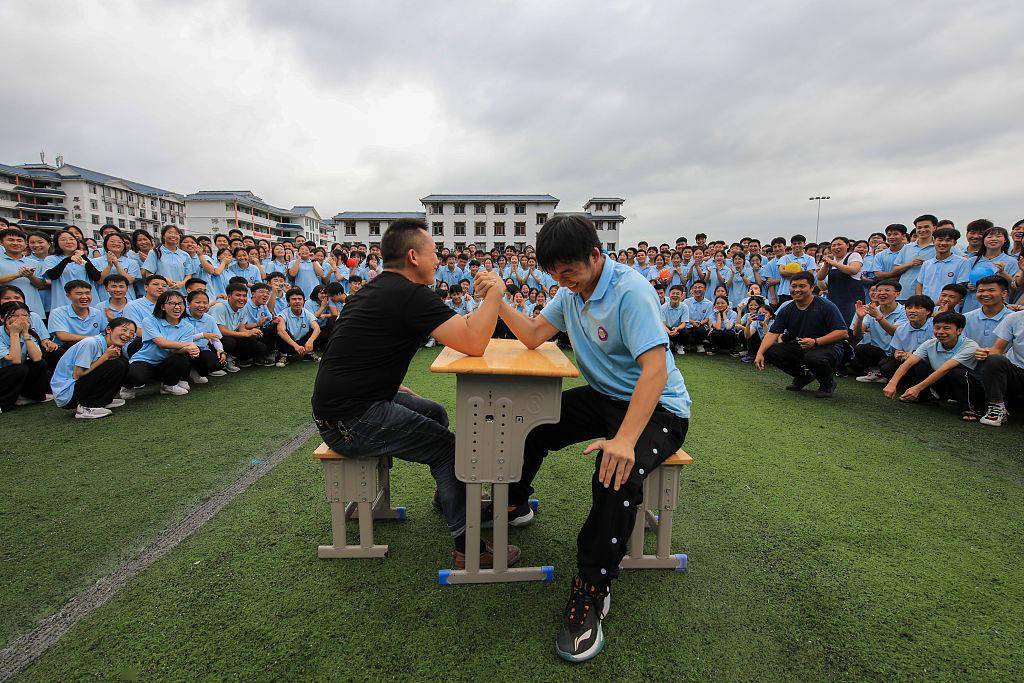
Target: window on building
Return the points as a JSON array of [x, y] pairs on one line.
[[479, 208], [500, 246], [78, 199], [542, 218], [108, 207], [460, 229], [131, 210], [436, 208], [120, 209], [615, 207], [120, 223], [131, 225], [106, 191], [520, 229], [437, 228], [459, 246], [163, 218], [460, 208], [375, 228], [599, 225], [611, 246], [499, 229], [520, 208], [93, 204], [520, 246], [110, 219], [480, 229], [95, 219], [154, 215], [438, 246], [92, 189], [499, 208]]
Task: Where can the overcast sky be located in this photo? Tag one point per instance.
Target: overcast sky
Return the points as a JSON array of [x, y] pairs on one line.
[[721, 117]]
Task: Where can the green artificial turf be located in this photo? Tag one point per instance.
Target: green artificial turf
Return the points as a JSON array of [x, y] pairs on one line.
[[837, 539], [82, 495]]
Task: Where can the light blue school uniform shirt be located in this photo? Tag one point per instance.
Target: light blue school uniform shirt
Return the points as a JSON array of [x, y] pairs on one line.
[[1011, 330], [757, 326], [72, 271], [153, 328], [306, 279], [718, 276], [700, 272], [138, 310], [730, 319], [462, 309], [5, 347], [298, 326], [174, 265], [908, 253], [204, 325], [609, 331], [676, 279], [251, 273], [738, 288], [131, 266], [936, 354], [698, 310], [82, 355], [106, 306], [674, 316], [806, 263], [226, 316], [981, 328], [140, 287], [34, 262], [450, 276], [250, 313], [9, 266], [1010, 268], [875, 335], [342, 275], [884, 261], [38, 326], [935, 274], [272, 266], [64, 319], [908, 338]]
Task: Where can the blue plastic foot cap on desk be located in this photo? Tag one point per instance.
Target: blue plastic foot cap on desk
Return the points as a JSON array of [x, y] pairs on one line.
[[401, 514], [442, 576], [682, 561], [549, 573], [534, 503]]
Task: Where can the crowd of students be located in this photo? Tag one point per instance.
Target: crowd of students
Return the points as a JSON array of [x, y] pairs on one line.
[[87, 322]]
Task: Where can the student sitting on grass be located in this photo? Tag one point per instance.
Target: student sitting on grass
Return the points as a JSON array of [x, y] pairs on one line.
[[297, 329], [875, 323], [754, 324], [1002, 369], [990, 293], [723, 327], [242, 345], [116, 288], [949, 357], [906, 339], [698, 326], [207, 336], [256, 315], [75, 321], [166, 348], [88, 377], [675, 315], [36, 324], [24, 376]]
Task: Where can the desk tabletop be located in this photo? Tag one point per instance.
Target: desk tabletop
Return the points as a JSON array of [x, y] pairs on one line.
[[508, 357]]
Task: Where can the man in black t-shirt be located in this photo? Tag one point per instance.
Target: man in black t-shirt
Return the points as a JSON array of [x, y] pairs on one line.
[[811, 330], [359, 403]]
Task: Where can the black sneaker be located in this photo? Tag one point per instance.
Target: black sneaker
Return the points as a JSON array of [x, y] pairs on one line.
[[581, 637], [827, 389], [800, 382], [518, 515]]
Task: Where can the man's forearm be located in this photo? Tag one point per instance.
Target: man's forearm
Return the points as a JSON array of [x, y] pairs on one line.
[[642, 404], [481, 325]]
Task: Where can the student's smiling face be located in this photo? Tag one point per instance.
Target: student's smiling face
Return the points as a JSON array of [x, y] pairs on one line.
[[917, 315], [121, 335], [885, 294]]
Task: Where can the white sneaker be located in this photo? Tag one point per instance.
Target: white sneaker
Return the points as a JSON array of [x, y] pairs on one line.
[[995, 416], [126, 394], [281, 362], [173, 389], [83, 413], [196, 377], [230, 365], [115, 403], [217, 373], [871, 376], [184, 385], [49, 397], [430, 343], [700, 348]]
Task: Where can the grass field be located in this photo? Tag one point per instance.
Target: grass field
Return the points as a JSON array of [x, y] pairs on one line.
[[827, 539]]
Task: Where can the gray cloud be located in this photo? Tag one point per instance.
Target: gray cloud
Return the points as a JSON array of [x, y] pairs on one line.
[[705, 116]]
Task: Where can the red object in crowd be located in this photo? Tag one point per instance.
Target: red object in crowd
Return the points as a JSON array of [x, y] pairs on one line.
[[666, 275], [352, 262]]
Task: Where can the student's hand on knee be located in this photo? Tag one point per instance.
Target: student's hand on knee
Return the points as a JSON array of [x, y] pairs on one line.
[[889, 390], [617, 458], [911, 394]]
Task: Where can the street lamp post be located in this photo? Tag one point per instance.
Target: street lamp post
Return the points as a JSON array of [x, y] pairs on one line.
[[817, 221]]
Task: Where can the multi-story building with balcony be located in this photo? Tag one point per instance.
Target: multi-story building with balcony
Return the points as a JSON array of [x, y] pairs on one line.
[[366, 227], [213, 211], [605, 213], [487, 220], [31, 197]]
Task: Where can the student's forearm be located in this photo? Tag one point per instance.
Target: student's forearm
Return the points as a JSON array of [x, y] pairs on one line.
[[68, 337], [886, 325], [34, 353], [643, 402], [526, 329], [938, 374]]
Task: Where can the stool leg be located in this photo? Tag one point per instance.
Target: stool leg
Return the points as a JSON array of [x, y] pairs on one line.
[[473, 493], [665, 533], [499, 493], [338, 518], [365, 524]]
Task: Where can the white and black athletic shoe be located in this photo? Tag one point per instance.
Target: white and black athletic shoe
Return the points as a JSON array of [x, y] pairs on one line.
[[518, 515], [581, 637]]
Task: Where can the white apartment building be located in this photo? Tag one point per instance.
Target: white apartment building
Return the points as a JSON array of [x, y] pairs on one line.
[[605, 212], [212, 211], [366, 227], [487, 220], [32, 198]]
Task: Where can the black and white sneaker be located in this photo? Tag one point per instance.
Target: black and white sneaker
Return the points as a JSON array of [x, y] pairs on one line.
[[800, 382], [581, 637], [518, 515]]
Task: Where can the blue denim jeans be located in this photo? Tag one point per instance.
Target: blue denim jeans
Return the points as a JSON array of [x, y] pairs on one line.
[[408, 428]]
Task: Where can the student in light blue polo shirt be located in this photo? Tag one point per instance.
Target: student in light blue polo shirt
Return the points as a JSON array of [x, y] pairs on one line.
[[981, 322], [675, 315], [945, 267], [875, 323], [635, 405], [19, 270], [451, 275], [167, 345], [995, 245], [1002, 369], [207, 336], [906, 339], [804, 260], [699, 309], [297, 330], [88, 377], [23, 372], [942, 363], [243, 268], [36, 324], [76, 321], [169, 259], [913, 255], [68, 262]]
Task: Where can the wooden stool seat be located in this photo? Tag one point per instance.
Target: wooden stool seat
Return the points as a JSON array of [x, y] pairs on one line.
[[661, 492], [356, 488]]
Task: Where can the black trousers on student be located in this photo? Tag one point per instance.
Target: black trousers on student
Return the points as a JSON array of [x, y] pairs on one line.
[[722, 340], [693, 336], [962, 386], [865, 356], [753, 343], [52, 357], [244, 348], [99, 387], [286, 348], [588, 414], [169, 371], [205, 363], [29, 378], [791, 359], [1003, 381], [271, 340], [888, 366]]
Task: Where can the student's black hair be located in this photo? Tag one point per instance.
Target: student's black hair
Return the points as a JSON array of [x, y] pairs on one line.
[[657, 286], [944, 222], [877, 234], [675, 287], [120, 320], [333, 288], [797, 238], [194, 281], [723, 298], [566, 239], [681, 240], [271, 276], [898, 227], [803, 275], [235, 251], [236, 287], [956, 287], [1000, 280], [401, 236], [8, 309], [257, 286], [759, 299], [297, 291], [4, 221], [979, 225], [948, 233], [698, 282], [920, 301], [114, 277], [778, 240], [12, 288], [1018, 223], [700, 236], [238, 280], [233, 231], [355, 278], [158, 307], [951, 317], [76, 284], [927, 217], [154, 276], [891, 282], [13, 232]]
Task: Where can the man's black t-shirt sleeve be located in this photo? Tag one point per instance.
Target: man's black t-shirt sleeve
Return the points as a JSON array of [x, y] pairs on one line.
[[426, 311]]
